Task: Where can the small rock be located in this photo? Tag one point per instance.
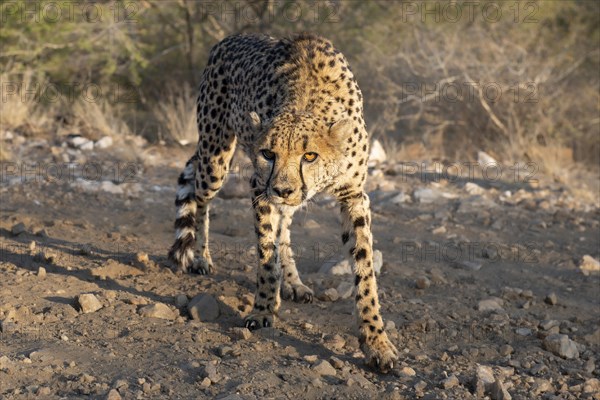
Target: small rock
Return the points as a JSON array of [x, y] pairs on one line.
[[506, 350], [538, 369], [336, 362], [541, 386], [32, 245], [323, 367], [340, 268], [110, 187], [523, 331], [17, 229], [377, 154], [590, 366], [449, 382], [591, 386], [330, 294], [5, 363], [88, 303], [205, 382], [407, 372], [104, 143], [181, 301], [498, 391], [113, 394], [485, 374], [474, 189], [470, 265], [41, 272], [157, 310], [548, 324], [440, 230], [400, 198], [43, 391], [428, 195], [485, 160], [242, 333], [551, 299], [142, 257], [336, 341], [311, 358], [345, 289], [561, 346], [422, 282], [491, 304], [377, 261], [312, 224], [420, 386], [210, 371], [589, 265], [204, 307]]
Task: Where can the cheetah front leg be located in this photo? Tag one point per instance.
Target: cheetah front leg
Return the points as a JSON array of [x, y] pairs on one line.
[[292, 287], [266, 300], [356, 216]]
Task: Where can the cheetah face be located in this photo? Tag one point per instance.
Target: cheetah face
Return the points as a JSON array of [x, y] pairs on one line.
[[297, 155]]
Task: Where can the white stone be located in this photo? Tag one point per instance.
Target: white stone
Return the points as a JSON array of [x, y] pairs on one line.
[[484, 159], [342, 267], [377, 154], [491, 304], [104, 143], [157, 310], [110, 187], [561, 346], [377, 261], [474, 189], [589, 265]]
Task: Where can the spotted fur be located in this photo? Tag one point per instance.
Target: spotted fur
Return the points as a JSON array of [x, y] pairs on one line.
[[296, 110]]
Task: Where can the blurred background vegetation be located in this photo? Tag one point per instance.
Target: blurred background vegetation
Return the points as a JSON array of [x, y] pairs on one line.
[[518, 79]]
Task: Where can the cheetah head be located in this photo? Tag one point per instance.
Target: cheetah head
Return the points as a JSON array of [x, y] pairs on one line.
[[297, 155]]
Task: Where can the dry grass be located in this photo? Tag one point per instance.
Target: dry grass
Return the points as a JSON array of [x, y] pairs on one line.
[[176, 114], [96, 119], [546, 109], [21, 109]]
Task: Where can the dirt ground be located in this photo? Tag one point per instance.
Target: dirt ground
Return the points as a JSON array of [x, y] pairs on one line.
[[483, 284]]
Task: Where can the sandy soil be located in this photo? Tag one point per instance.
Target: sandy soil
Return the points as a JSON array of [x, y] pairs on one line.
[[479, 280]]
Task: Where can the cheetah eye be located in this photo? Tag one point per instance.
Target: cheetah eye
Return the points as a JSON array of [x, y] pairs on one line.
[[310, 157], [267, 154]]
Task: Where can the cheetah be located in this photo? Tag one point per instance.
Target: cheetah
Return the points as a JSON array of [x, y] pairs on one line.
[[295, 108]]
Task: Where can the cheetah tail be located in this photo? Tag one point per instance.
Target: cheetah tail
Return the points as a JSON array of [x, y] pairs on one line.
[[182, 251]]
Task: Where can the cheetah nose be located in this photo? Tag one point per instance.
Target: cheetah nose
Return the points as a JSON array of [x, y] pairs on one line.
[[284, 193]]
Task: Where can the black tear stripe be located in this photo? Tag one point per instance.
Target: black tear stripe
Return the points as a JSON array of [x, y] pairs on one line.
[[304, 188]]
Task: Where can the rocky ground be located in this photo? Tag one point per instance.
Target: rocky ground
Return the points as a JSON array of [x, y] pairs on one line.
[[489, 284]]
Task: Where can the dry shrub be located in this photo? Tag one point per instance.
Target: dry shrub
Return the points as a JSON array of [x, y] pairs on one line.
[[101, 118], [21, 108], [176, 114], [548, 104]]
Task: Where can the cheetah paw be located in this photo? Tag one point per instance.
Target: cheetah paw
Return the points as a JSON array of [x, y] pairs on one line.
[[257, 321], [202, 266], [380, 353], [298, 293]]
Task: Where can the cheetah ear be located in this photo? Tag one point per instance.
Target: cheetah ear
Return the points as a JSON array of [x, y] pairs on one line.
[[341, 130], [254, 120]]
